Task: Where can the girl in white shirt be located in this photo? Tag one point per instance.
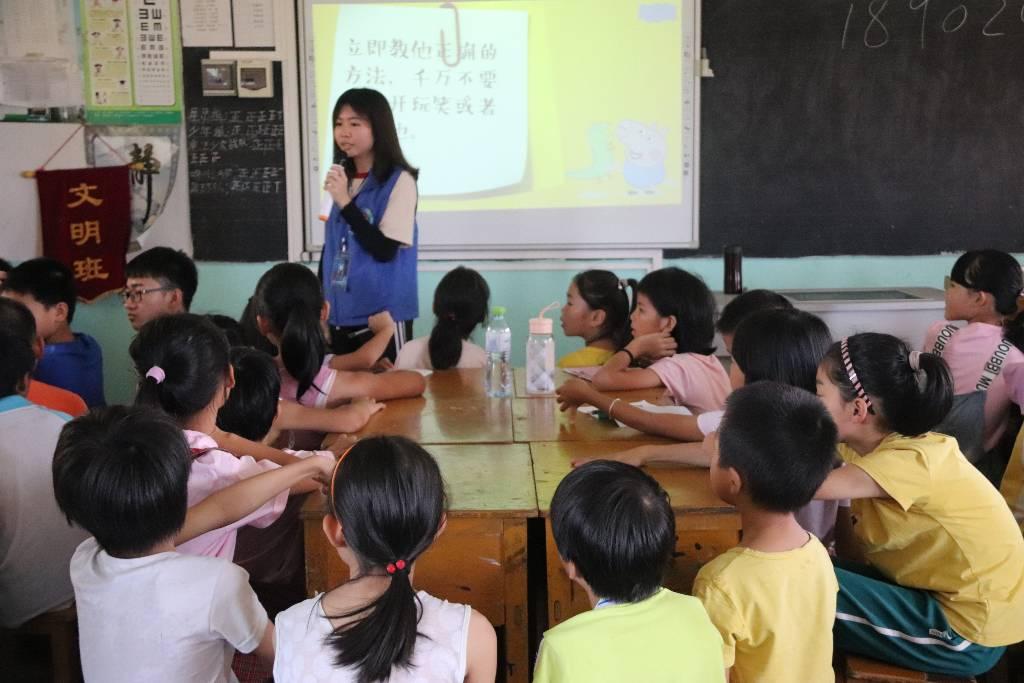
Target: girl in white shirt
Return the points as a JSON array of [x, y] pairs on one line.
[[387, 505], [460, 304]]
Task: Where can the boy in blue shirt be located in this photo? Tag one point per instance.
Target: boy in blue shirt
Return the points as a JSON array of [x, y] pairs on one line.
[[71, 360]]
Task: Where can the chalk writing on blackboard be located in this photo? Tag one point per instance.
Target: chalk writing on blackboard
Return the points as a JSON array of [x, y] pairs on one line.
[[224, 148], [935, 19]]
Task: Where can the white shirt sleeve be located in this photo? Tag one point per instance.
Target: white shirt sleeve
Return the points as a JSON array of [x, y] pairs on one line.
[[708, 422], [236, 614], [400, 215]]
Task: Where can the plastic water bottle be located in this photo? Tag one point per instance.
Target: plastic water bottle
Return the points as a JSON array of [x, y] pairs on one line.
[[540, 355], [498, 344]]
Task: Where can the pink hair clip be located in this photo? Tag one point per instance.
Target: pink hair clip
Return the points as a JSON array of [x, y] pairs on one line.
[[157, 374]]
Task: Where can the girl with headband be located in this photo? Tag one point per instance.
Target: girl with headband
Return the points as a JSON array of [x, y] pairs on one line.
[[943, 587]]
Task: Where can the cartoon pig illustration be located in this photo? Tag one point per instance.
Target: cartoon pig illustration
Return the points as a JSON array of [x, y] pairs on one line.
[[644, 167]]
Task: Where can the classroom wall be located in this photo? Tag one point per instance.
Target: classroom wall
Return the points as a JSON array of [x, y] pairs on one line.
[[225, 287]]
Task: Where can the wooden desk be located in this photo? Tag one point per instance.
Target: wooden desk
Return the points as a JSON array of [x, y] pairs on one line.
[[453, 409], [480, 559], [561, 377], [539, 419], [705, 525]]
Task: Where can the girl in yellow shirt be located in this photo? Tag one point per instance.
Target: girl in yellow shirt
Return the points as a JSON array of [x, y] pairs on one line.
[[597, 309], [944, 589]]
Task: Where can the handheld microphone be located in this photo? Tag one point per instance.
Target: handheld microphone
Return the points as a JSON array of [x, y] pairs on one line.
[[327, 202]]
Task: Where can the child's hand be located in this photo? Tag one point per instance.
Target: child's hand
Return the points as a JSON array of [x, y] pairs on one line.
[[367, 407], [653, 346], [380, 322], [324, 467], [573, 393]]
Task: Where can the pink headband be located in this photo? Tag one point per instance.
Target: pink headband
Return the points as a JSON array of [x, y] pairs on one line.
[[851, 373], [157, 373]]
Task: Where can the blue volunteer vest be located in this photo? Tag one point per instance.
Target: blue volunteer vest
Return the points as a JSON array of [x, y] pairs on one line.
[[372, 286]]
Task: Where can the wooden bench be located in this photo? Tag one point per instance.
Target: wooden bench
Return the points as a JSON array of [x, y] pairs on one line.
[[864, 669]]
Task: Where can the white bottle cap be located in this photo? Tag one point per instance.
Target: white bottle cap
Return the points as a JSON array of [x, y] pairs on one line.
[[541, 325]]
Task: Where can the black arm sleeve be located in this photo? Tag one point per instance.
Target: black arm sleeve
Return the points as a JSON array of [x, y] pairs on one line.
[[381, 247]]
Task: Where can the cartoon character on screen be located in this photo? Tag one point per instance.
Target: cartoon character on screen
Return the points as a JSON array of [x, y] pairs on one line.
[[602, 154], [644, 166]]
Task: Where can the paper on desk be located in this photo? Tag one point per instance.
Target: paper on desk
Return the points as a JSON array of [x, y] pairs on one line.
[[586, 373], [424, 371], [642, 405]]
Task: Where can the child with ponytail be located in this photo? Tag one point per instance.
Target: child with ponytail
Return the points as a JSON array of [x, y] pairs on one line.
[[596, 309], [984, 289], [460, 304], [944, 589], [184, 370], [386, 507], [291, 312]]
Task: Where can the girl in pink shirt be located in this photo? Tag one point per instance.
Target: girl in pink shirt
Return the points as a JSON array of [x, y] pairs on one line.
[[185, 371], [983, 289], [673, 325], [291, 313]]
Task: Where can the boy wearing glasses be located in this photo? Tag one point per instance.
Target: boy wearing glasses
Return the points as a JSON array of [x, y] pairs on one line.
[[159, 281]]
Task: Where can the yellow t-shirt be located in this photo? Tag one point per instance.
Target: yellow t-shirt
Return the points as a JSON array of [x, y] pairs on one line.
[[946, 530], [774, 612], [1012, 486], [586, 357], [665, 638]]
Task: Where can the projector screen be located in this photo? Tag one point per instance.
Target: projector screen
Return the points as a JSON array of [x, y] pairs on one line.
[[536, 124]]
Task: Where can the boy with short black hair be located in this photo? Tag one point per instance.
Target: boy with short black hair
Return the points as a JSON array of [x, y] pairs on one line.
[[159, 281], [615, 533], [16, 319], [146, 612], [773, 597], [71, 360], [36, 542]]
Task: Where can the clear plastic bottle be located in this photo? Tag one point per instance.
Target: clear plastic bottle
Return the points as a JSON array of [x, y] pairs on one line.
[[498, 344], [540, 355]]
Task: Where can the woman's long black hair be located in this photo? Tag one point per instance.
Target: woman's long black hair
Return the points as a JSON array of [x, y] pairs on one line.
[[289, 297], [460, 304], [387, 151], [389, 497]]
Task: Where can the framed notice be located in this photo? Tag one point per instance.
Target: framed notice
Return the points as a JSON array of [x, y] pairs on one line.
[[132, 62]]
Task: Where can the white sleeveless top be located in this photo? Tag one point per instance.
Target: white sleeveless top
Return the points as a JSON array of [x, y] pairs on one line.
[[302, 656]]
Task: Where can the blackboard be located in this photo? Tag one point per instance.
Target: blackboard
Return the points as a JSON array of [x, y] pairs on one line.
[[236, 171], [862, 127]]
